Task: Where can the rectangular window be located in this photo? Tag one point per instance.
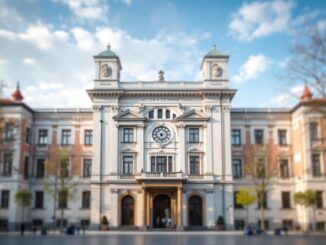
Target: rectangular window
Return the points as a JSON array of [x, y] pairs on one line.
[[287, 223], [87, 170], [39, 196], [281, 137], [286, 199], [261, 168], [43, 137], [37, 223], [63, 199], [159, 113], [259, 136], [167, 114], [237, 168], [64, 168], [66, 137], [28, 135], [236, 137], [151, 115], [284, 169], [85, 222], [3, 224], [264, 200], [128, 135], [194, 165], [26, 168], [313, 128], [235, 204], [161, 164], [88, 137], [86, 199], [127, 167], [5, 195], [316, 168], [40, 168], [320, 226], [64, 222], [239, 224], [194, 135], [319, 199], [9, 131], [7, 164]]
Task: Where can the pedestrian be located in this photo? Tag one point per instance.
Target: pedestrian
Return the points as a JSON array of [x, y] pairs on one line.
[[22, 229], [34, 229], [163, 222]]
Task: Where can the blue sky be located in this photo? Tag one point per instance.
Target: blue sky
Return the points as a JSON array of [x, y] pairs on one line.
[[48, 45]]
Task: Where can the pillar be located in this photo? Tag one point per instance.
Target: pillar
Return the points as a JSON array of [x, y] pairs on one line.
[[179, 209]]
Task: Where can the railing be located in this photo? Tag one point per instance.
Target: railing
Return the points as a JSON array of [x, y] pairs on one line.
[[196, 176], [127, 176], [178, 175]]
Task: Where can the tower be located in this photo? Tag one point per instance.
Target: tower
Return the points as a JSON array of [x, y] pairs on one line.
[[107, 69], [214, 68]]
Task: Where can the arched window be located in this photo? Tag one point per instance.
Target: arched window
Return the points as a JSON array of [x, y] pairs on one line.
[[151, 114], [195, 207], [127, 210]]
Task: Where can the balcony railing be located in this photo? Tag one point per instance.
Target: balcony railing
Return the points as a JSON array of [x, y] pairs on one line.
[[127, 176], [162, 175]]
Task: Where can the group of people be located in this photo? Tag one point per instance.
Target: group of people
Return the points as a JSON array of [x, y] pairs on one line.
[[165, 222]]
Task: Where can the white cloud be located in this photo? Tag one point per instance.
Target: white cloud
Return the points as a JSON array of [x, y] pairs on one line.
[[287, 98], [87, 9], [29, 61], [259, 19], [252, 68], [128, 2]]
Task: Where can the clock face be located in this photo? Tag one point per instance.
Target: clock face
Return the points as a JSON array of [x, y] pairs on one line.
[[161, 135], [106, 70]]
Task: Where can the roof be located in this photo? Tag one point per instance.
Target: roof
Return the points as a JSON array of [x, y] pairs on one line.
[[108, 53], [214, 52]]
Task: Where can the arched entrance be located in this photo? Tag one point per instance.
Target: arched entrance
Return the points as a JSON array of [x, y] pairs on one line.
[[162, 209], [195, 207], [127, 210]]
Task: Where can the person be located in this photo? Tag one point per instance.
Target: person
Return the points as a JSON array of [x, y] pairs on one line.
[[34, 229], [158, 219], [22, 229], [163, 222], [169, 223]]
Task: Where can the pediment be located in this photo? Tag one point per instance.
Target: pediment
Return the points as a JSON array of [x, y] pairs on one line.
[[193, 115], [195, 149], [129, 115], [128, 150]]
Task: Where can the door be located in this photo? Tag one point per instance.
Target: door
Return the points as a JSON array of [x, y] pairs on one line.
[[195, 211], [162, 211], [127, 210]]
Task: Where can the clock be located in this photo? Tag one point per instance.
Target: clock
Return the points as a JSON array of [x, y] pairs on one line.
[[161, 135], [106, 70]]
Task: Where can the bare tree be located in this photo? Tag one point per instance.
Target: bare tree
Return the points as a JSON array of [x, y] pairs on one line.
[[62, 188], [261, 168]]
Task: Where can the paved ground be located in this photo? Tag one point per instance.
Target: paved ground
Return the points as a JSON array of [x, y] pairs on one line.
[[163, 238]]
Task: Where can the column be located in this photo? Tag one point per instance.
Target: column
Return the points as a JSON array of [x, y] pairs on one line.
[[143, 211], [182, 152], [179, 209]]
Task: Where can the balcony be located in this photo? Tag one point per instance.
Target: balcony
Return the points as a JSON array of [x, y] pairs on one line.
[[159, 176]]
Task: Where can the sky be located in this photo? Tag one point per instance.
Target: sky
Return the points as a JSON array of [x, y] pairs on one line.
[[48, 45]]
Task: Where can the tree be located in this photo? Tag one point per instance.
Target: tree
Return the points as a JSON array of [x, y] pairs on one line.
[[307, 199], [261, 168], [245, 197], [23, 198], [307, 61], [62, 188]]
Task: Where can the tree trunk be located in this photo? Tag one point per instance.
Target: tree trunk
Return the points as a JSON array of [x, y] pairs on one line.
[[262, 214], [313, 218], [61, 217]]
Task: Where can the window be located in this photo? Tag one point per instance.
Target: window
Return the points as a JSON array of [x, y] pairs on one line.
[[237, 168], [88, 137], [194, 135], [3, 224], [43, 137], [235, 204], [159, 113], [316, 171], [63, 199], [66, 137], [161, 164], [127, 167], [261, 168], [128, 135], [194, 165], [26, 167], [239, 224], [86, 199], [281, 137], [5, 199], [319, 199], [284, 169], [85, 222], [39, 196], [313, 128], [9, 131], [151, 114], [167, 114], [7, 164], [259, 136], [64, 222], [320, 226], [64, 168], [38, 223], [266, 224], [236, 137], [28, 135], [264, 199], [87, 170], [40, 168], [286, 199], [287, 223]]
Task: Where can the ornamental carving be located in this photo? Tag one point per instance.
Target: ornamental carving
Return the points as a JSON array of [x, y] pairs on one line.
[[114, 191]]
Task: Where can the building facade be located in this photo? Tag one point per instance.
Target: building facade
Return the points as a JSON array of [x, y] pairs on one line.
[[157, 150]]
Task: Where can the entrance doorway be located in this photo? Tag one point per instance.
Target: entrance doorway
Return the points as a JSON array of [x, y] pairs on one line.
[[161, 211], [127, 210], [195, 206]]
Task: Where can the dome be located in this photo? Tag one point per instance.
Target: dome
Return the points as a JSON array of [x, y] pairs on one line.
[[214, 52], [17, 95], [107, 53]]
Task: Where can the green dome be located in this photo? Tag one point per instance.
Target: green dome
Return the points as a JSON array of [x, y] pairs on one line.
[[107, 53], [214, 51]]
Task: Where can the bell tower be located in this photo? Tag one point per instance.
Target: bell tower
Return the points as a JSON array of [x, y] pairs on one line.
[[214, 68], [107, 69]]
